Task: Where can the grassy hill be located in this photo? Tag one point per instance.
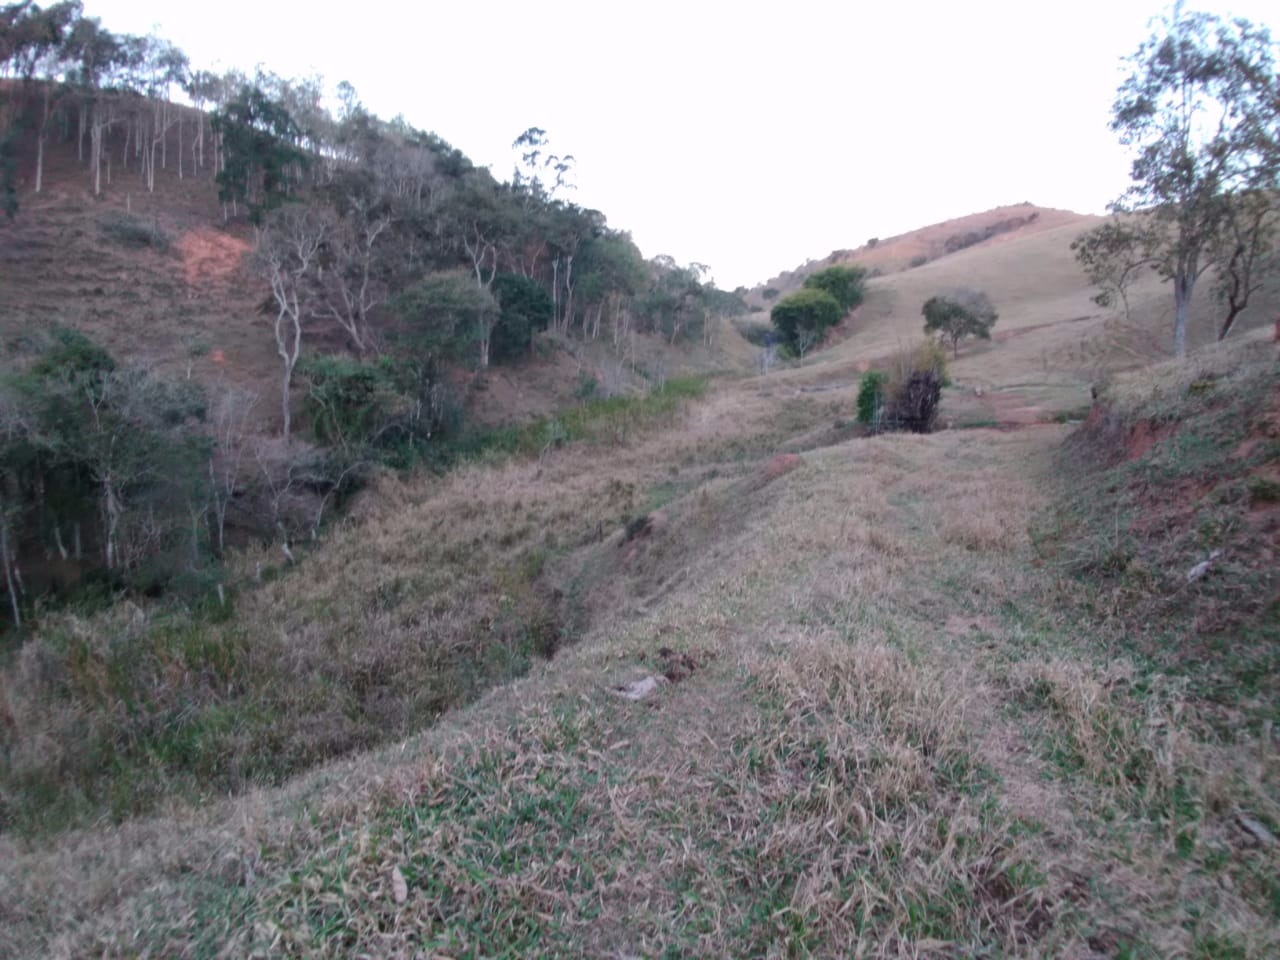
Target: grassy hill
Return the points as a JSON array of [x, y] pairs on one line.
[[699, 673], [907, 700]]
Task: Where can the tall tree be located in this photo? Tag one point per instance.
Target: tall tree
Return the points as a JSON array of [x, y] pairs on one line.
[[1201, 110], [259, 142], [288, 246]]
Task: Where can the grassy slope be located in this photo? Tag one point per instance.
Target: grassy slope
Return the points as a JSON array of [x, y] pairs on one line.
[[900, 724], [900, 728]]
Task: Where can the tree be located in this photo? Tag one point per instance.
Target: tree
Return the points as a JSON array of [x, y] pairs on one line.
[[259, 146], [846, 283], [803, 314], [289, 244], [960, 314], [357, 268], [525, 307], [1201, 110], [444, 313]]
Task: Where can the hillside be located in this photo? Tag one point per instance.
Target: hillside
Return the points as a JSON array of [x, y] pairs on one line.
[[912, 693], [692, 670], [914, 248]]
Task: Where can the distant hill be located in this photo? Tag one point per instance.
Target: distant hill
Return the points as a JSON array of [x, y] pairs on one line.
[[912, 249], [1021, 257]]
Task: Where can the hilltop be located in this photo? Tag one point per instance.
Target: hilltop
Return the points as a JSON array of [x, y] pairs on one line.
[[884, 255]]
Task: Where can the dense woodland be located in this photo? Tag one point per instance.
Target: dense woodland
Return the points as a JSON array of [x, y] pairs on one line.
[[387, 260]]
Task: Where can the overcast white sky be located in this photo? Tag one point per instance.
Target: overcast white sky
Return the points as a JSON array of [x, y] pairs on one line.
[[747, 136]]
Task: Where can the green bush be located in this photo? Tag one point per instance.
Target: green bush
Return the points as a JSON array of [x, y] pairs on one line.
[[526, 308], [847, 284], [133, 232], [347, 401], [871, 397], [805, 314]]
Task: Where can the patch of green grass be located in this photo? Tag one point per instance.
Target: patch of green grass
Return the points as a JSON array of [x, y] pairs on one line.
[[602, 420]]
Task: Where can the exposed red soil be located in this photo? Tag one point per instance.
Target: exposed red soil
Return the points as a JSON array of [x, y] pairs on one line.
[[210, 257], [783, 463]]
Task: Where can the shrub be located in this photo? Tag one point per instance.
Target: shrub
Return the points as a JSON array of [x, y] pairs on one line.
[[770, 293], [871, 397], [918, 261], [845, 283], [526, 308], [806, 312], [928, 354], [914, 405], [348, 402], [133, 232]]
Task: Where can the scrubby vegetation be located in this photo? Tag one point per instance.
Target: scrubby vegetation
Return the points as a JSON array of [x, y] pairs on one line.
[[110, 713], [801, 318], [908, 396]]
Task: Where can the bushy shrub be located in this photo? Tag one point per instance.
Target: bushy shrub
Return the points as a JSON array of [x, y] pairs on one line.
[[906, 397], [525, 308], [804, 314], [845, 283], [928, 354], [348, 401], [914, 405], [133, 232]]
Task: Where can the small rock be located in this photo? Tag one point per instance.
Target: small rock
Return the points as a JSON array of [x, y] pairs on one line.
[[1256, 830], [1201, 568], [638, 689], [399, 888]]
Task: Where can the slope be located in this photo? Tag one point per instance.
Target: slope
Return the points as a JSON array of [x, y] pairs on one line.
[[883, 721]]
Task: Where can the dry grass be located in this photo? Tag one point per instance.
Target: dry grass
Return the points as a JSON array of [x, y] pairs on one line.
[[902, 727], [825, 782]]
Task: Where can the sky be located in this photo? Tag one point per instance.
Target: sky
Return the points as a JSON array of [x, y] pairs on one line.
[[750, 137]]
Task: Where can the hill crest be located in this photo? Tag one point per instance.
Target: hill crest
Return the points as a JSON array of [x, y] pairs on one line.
[[925, 244]]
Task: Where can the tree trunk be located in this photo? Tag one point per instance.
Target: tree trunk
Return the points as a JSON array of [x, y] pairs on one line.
[[111, 514], [11, 584], [44, 125], [288, 351], [1183, 286]]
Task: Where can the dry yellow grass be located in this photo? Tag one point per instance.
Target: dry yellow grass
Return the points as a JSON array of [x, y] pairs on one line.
[[897, 739], [895, 730]]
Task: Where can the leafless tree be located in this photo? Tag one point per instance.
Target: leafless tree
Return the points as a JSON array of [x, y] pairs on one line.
[[288, 246], [350, 286], [230, 413]]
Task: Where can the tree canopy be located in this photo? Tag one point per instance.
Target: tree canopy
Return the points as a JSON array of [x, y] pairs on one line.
[[802, 317], [960, 314], [1200, 109], [845, 282]]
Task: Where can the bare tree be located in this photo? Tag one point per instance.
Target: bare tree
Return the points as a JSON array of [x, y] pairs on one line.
[[288, 245], [351, 286], [230, 413], [1246, 252]]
